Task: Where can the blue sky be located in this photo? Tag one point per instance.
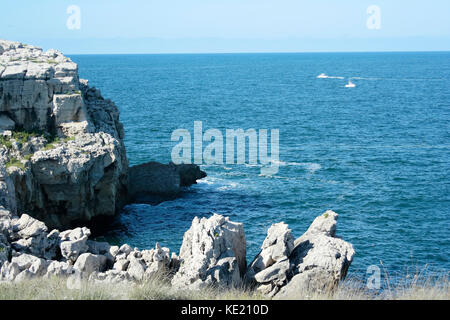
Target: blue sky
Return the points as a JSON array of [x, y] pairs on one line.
[[177, 26]]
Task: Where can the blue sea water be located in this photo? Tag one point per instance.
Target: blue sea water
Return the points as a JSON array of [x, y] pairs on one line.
[[377, 154]]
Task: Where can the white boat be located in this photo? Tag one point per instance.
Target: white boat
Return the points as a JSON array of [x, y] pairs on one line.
[[350, 84], [322, 76]]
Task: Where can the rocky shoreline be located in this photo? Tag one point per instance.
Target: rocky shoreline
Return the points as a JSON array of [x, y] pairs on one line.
[[63, 164]]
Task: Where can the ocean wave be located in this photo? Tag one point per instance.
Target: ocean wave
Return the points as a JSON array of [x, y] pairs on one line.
[[218, 183]]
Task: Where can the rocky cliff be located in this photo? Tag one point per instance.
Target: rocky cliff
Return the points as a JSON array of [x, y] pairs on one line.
[[62, 155], [63, 159]]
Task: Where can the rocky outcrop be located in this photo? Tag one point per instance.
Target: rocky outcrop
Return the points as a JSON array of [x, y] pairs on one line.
[[213, 253], [153, 181], [320, 259], [316, 261], [29, 250], [62, 141]]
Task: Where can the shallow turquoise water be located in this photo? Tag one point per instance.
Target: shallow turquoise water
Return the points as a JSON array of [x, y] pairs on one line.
[[377, 154]]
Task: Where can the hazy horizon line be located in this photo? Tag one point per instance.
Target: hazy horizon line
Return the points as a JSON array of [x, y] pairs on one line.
[[259, 52]]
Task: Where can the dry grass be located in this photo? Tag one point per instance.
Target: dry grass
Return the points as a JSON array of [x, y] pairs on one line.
[[158, 289]]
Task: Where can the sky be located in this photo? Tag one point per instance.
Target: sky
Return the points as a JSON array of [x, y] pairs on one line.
[[212, 26]]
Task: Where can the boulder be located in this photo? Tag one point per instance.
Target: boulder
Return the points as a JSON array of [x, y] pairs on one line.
[[4, 249], [213, 252], [103, 248], [88, 263], [58, 269], [27, 227], [74, 243], [324, 224], [9, 271], [111, 276], [136, 269], [29, 235], [159, 261], [121, 265]]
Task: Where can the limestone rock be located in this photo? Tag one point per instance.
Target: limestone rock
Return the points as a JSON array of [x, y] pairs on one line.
[[159, 261], [319, 260], [81, 175], [7, 189], [29, 235], [136, 269], [325, 224], [111, 276], [103, 248], [213, 253], [314, 280], [277, 246], [316, 261], [88, 263], [121, 265], [4, 249], [74, 243], [9, 271], [58, 269], [27, 227]]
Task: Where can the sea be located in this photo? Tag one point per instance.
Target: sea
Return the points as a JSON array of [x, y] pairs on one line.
[[377, 154]]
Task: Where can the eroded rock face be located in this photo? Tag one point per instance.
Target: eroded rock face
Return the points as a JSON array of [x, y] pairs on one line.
[[72, 166], [315, 261], [213, 253], [277, 247]]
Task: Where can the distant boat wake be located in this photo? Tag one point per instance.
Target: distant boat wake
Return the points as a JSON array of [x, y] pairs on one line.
[[324, 76]]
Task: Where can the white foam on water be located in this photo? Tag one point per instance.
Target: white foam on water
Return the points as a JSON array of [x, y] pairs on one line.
[[310, 166], [231, 185], [218, 183]]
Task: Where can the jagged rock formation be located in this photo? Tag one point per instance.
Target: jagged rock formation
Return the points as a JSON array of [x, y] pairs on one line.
[[316, 261], [63, 149], [28, 250], [213, 253]]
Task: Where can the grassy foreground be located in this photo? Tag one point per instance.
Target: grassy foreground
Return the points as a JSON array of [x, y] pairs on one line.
[[57, 289]]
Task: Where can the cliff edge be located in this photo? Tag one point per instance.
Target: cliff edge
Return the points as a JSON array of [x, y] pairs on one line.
[[62, 153]]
